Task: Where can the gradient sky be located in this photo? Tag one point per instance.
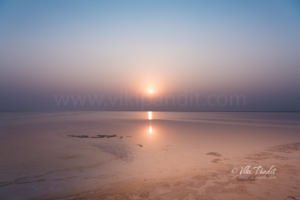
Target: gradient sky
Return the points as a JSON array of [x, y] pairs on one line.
[[212, 47]]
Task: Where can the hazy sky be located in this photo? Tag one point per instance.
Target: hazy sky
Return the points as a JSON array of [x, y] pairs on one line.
[[49, 48]]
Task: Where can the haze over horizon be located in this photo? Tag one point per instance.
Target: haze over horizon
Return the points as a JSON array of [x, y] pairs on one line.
[[118, 49]]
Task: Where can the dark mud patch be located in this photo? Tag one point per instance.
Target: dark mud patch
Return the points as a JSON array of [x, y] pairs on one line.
[[96, 136]]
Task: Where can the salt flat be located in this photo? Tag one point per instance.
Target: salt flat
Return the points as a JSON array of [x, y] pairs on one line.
[[127, 155]]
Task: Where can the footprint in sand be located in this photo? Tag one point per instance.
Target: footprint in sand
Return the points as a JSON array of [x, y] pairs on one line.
[[216, 160], [286, 148], [293, 198], [214, 154]]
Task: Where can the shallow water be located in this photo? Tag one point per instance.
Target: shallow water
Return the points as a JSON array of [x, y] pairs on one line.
[[48, 154]]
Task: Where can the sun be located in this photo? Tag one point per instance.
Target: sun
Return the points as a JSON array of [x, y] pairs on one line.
[[151, 90]]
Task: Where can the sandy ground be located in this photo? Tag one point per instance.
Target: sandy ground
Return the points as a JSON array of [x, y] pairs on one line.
[[224, 180]]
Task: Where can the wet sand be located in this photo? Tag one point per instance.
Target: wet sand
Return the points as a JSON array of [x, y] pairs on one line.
[[98, 155]]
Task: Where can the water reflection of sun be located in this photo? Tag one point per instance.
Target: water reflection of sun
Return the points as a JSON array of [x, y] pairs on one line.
[[149, 115], [150, 129]]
